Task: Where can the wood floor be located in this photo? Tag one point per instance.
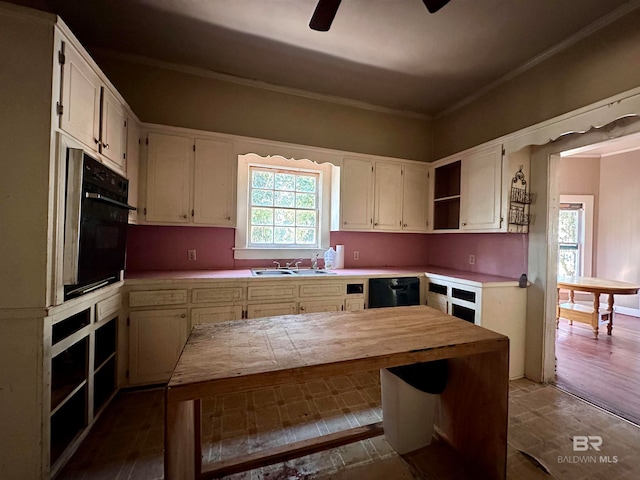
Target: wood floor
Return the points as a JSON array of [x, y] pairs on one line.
[[605, 371]]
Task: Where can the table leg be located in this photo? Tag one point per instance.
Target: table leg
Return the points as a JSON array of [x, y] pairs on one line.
[[571, 300], [595, 316], [610, 305]]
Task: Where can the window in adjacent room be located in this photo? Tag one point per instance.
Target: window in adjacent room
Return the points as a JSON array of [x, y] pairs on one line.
[[575, 233]]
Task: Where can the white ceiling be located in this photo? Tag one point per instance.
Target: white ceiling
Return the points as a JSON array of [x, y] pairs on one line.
[[389, 53]]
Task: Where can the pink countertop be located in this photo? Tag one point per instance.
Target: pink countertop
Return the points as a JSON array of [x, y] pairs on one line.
[[479, 278]]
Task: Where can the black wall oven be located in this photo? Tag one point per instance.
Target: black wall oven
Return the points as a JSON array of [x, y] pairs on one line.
[[95, 233]]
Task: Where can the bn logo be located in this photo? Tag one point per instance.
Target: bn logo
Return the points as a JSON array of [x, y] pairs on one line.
[[582, 443]]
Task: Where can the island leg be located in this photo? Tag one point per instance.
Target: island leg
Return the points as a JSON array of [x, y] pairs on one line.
[[182, 441]]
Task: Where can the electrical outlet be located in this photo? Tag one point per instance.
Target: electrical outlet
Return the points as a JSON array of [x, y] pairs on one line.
[[356, 255], [192, 254], [472, 259]]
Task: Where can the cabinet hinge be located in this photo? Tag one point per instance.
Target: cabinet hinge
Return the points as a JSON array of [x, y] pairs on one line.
[[194, 147], [61, 57], [146, 141], [59, 108], [503, 151], [126, 374], [125, 124], [124, 156], [192, 213], [128, 322], [144, 210]]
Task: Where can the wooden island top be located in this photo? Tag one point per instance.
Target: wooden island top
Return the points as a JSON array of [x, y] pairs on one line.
[[243, 355]]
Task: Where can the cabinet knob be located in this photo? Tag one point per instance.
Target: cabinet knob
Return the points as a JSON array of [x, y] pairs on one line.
[[405, 225], [184, 315], [184, 215], [464, 223], [228, 218], [96, 140], [375, 224], [105, 146]]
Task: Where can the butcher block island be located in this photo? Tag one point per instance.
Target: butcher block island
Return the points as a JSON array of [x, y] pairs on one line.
[[237, 356]]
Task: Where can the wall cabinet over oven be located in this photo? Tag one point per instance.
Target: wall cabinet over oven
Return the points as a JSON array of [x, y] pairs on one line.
[[491, 302], [189, 181], [89, 110]]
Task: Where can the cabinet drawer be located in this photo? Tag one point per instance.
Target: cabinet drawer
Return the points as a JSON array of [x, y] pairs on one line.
[[157, 297], [328, 305], [217, 295], [272, 309], [215, 314], [107, 307], [321, 290], [269, 292]]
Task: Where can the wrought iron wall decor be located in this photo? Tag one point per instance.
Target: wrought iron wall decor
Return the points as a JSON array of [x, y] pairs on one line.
[[520, 200]]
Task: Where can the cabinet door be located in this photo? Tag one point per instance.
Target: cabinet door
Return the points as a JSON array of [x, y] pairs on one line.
[[437, 301], [326, 305], [415, 198], [387, 205], [214, 189], [114, 130], [271, 309], [354, 304], [80, 99], [168, 178], [480, 190], [216, 314], [356, 197], [156, 340], [133, 163]]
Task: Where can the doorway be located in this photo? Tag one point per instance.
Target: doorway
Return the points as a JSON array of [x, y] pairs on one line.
[[597, 232]]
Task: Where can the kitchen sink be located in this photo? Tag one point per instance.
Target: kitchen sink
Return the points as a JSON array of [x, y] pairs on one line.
[[279, 272], [270, 272]]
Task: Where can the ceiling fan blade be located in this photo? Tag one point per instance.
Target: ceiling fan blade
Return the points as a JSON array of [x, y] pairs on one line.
[[324, 14], [434, 5]]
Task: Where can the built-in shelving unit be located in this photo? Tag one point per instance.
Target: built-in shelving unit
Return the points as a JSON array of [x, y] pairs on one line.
[[446, 203]]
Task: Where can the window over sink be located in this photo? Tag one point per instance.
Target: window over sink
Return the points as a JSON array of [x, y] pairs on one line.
[[283, 207]]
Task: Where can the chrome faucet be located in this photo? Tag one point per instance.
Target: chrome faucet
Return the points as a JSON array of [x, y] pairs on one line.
[[314, 262], [295, 263], [277, 264]]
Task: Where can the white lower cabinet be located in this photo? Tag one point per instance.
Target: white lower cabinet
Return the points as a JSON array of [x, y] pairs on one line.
[[497, 305], [354, 304], [156, 339]]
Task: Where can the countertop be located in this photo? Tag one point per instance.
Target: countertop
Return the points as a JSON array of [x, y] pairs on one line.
[[245, 274]]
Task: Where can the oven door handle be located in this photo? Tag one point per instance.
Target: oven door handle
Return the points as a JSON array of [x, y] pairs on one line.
[[98, 196]]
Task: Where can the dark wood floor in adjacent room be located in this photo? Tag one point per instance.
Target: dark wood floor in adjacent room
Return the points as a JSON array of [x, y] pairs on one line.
[[605, 371]]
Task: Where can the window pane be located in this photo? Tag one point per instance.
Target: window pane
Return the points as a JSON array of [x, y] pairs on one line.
[[306, 184], [284, 235], [285, 217], [306, 218], [262, 197], [285, 181], [305, 235], [261, 234], [261, 216], [260, 179], [567, 262], [305, 200], [568, 226], [285, 199]]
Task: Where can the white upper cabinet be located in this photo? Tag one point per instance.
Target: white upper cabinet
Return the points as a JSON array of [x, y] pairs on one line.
[[133, 166], [190, 181], [89, 111], [168, 178], [415, 198], [80, 108], [214, 184], [356, 194], [468, 192], [385, 196], [480, 190], [113, 141], [387, 204]]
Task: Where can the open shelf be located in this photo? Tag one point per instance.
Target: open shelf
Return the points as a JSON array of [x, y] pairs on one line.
[[446, 205], [69, 369], [68, 422]]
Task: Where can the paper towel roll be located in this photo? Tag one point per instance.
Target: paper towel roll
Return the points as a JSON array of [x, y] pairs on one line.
[[339, 260]]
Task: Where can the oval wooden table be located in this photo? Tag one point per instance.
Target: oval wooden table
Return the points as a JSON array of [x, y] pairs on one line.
[[591, 315]]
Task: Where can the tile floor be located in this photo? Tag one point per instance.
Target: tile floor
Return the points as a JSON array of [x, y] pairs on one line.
[[126, 442]]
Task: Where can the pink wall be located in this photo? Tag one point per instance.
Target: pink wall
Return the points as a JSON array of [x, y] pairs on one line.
[[165, 248], [495, 253]]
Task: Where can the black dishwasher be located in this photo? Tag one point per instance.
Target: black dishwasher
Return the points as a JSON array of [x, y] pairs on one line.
[[394, 292]]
